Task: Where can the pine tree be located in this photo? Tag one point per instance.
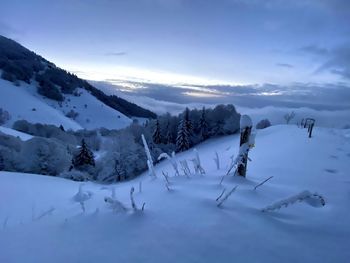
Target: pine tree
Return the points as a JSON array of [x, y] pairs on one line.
[[157, 137], [203, 126], [218, 128], [2, 165], [183, 140], [84, 157], [168, 137], [188, 122]]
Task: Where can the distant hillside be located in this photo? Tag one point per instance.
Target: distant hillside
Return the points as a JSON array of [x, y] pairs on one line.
[[17, 63]]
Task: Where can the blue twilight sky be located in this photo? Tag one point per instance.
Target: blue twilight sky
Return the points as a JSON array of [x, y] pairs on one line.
[[237, 42]]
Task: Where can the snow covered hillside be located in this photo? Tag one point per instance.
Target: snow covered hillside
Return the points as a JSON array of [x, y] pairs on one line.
[[42, 218], [24, 102], [12, 132]]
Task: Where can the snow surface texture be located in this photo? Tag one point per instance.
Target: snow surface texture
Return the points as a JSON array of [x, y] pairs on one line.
[[41, 220], [24, 102]]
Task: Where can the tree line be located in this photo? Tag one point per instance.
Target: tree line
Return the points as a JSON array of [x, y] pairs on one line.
[[111, 155]]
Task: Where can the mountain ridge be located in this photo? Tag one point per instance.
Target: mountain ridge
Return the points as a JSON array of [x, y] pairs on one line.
[[17, 63]]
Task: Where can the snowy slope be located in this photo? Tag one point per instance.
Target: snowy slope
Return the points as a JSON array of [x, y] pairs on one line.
[[92, 112], [19, 102], [184, 224], [25, 103], [23, 136]]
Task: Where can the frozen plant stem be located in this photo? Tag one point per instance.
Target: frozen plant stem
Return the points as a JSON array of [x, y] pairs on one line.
[[45, 213], [133, 205], [185, 168], [166, 176], [172, 160], [263, 182], [149, 157], [197, 163], [166, 180], [226, 196], [223, 191], [314, 200], [217, 160]]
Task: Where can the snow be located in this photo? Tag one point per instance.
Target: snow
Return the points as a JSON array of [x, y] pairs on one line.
[[26, 103], [23, 136], [324, 118], [20, 103], [245, 122], [95, 115], [39, 221]]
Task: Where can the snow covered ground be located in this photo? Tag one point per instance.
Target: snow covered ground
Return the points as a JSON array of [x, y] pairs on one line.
[[24, 102], [42, 222], [23, 136]]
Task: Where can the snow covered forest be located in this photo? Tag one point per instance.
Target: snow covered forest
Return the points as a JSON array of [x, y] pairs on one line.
[[115, 155]]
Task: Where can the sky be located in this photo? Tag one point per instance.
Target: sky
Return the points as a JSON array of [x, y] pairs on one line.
[[287, 44]]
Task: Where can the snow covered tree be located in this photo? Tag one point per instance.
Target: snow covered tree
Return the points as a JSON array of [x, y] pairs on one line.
[[188, 122], [203, 126], [157, 137], [84, 158], [183, 140], [264, 123], [43, 156], [4, 116], [119, 170], [218, 128], [289, 116], [168, 137]]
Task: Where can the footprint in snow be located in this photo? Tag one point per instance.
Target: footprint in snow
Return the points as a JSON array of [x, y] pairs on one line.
[[332, 171], [333, 156], [348, 154]]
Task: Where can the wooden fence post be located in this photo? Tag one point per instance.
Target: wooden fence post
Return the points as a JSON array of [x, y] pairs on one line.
[[246, 129], [309, 123], [310, 129]]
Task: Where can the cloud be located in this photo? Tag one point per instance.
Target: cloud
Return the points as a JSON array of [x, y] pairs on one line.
[[334, 60], [338, 6], [315, 50], [284, 65], [338, 62], [274, 112], [116, 54], [327, 96]]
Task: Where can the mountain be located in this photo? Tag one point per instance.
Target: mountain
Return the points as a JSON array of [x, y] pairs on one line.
[[38, 82], [184, 224]]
